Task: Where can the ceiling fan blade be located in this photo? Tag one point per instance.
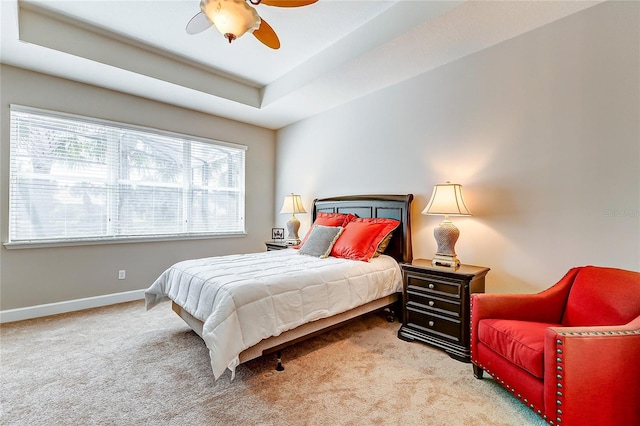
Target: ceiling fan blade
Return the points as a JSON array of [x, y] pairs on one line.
[[266, 35], [288, 3], [198, 23]]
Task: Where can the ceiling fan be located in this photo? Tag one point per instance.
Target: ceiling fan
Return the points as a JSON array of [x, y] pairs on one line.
[[233, 18]]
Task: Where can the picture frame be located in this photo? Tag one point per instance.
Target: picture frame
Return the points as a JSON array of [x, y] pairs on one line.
[[277, 234]]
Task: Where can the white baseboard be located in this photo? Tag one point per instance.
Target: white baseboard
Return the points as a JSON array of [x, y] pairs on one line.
[[11, 315]]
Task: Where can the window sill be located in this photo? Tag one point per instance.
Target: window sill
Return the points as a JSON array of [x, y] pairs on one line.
[[103, 241]]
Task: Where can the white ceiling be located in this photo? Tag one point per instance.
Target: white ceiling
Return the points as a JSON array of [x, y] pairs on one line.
[[332, 51]]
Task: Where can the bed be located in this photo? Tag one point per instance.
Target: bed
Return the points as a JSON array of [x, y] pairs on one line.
[[248, 305]]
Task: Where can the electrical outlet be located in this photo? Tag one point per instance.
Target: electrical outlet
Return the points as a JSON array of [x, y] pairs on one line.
[[122, 274]]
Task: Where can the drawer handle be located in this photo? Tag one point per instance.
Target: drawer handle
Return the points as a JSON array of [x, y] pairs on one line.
[[431, 286], [430, 323], [431, 303]]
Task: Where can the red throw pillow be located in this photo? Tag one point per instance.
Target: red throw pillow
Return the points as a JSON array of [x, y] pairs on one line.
[[361, 237], [328, 219]]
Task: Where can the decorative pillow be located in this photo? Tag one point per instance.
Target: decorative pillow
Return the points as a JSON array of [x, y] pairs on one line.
[[321, 240], [327, 219], [383, 245], [361, 237]]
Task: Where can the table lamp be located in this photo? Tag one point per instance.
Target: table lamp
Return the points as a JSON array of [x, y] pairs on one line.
[[292, 204], [446, 200]]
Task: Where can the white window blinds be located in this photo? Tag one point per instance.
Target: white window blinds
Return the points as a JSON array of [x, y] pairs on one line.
[[76, 178]]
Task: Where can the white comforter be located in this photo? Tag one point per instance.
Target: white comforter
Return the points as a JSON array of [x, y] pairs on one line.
[[245, 298]]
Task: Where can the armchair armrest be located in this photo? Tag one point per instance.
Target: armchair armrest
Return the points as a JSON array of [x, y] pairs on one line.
[[547, 306], [597, 370], [518, 307]]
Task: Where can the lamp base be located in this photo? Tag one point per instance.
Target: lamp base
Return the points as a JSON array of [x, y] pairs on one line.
[[293, 225], [446, 261], [446, 235]]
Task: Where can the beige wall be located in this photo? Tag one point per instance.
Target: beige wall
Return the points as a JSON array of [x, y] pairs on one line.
[[31, 277], [541, 130]]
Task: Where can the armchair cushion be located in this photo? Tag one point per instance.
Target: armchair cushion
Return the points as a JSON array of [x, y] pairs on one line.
[[520, 342], [602, 296]]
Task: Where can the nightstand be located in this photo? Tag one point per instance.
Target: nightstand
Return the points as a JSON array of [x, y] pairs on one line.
[[435, 305], [276, 245]]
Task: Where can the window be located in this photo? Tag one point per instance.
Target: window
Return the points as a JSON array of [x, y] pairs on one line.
[[75, 179]]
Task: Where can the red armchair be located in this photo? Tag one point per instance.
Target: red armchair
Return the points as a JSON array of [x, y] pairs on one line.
[[572, 352]]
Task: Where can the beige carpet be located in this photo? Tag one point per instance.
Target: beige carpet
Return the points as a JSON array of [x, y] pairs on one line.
[[120, 365]]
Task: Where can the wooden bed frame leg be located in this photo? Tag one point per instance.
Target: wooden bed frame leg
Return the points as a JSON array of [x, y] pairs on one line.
[[391, 315], [279, 366], [393, 310]]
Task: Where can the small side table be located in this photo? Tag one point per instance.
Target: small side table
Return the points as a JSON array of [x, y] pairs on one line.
[[436, 305], [276, 245]]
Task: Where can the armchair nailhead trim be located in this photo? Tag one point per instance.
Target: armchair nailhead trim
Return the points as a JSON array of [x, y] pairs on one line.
[[513, 391], [559, 378], [519, 396], [595, 333], [471, 330]]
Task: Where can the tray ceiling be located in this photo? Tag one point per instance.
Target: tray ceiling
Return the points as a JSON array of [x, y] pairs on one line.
[[332, 51]]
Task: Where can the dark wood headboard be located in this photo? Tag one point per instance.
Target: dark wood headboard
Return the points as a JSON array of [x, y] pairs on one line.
[[396, 207]]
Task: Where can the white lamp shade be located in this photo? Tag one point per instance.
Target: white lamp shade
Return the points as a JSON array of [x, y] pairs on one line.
[[292, 204], [232, 18], [446, 199]]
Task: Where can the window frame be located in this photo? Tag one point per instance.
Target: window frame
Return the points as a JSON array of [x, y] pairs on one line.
[[187, 141]]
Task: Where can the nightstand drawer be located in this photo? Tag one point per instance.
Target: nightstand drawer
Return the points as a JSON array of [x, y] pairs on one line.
[[434, 285], [428, 302], [433, 324]]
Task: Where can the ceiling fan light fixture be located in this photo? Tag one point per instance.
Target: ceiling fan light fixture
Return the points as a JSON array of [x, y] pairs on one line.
[[233, 18]]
